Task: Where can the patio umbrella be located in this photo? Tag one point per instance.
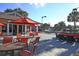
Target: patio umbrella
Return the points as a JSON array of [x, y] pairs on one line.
[[2, 24], [33, 23], [23, 20], [19, 21]]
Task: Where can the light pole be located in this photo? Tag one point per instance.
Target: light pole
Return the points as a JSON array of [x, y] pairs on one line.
[[42, 22], [43, 18]]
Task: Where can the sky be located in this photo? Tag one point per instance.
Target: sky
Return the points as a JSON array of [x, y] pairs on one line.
[[55, 12]]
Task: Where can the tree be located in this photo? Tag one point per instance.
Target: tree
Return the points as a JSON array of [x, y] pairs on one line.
[[56, 25], [73, 17], [8, 10], [45, 26], [18, 10], [60, 26], [70, 27]]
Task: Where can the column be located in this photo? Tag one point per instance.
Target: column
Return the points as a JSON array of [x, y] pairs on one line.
[[17, 29], [8, 29], [12, 29], [22, 28], [25, 29], [36, 28], [30, 28]]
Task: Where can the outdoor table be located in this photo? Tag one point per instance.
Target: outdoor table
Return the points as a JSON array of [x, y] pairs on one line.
[[28, 37], [11, 47]]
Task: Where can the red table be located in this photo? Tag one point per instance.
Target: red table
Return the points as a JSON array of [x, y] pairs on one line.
[[11, 47]]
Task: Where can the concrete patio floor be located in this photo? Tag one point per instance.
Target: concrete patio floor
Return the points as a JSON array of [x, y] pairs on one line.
[[49, 45]]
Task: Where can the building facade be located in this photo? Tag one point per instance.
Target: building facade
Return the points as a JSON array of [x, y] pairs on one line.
[[12, 29]]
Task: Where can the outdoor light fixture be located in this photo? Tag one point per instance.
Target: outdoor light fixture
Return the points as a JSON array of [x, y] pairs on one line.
[[43, 18]]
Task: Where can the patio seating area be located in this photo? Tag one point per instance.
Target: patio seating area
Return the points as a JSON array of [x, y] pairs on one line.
[[21, 44], [25, 45]]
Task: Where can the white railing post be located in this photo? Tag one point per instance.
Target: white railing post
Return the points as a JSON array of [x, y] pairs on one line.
[[7, 28]]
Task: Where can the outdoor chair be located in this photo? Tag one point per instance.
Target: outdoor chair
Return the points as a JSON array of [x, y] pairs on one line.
[[18, 37], [28, 51], [1, 33], [7, 39], [31, 47], [31, 34], [37, 39], [35, 42], [24, 40]]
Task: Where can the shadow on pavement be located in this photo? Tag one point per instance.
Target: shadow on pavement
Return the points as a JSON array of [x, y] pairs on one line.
[[47, 45]]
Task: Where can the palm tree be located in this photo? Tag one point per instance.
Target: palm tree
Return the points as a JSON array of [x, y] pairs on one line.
[[73, 17]]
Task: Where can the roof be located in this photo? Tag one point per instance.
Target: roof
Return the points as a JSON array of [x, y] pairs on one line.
[[27, 21], [32, 21], [10, 16], [14, 16]]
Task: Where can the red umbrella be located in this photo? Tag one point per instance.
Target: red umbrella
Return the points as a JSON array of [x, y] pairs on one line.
[[2, 24], [19, 21], [23, 21], [31, 22]]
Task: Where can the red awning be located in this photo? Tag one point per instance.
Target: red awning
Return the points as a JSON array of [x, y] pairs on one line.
[[32, 23], [19, 21], [27, 21], [2, 24]]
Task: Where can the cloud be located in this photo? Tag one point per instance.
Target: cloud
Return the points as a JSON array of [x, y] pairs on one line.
[[34, 3], [18, 4], [38, 3]]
